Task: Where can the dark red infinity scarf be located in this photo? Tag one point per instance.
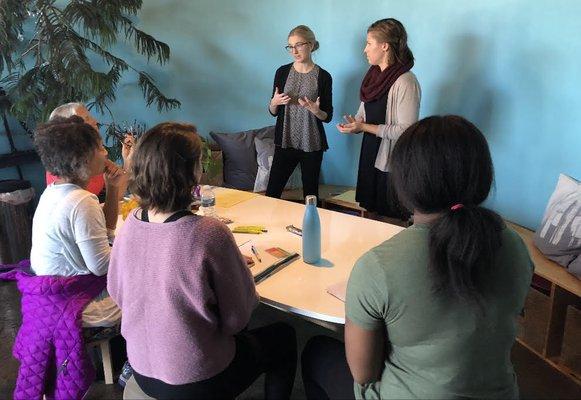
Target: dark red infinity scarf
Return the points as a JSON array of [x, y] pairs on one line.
[[377, 82]]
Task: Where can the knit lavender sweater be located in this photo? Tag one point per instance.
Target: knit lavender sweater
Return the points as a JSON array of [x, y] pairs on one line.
[[184, 290]]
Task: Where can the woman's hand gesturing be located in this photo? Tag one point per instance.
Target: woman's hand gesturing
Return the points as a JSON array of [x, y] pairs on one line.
[[352, 125], [279, 99], [312, 106]]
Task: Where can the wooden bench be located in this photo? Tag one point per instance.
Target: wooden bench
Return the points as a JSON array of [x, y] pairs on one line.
[[562, 293], [325, 193], [345, 200]]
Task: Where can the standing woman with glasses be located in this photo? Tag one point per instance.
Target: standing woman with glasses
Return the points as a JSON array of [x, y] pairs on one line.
[[390, 102], [301, 102]]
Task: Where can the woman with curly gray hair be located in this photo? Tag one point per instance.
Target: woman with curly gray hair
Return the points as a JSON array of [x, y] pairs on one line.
[[69, 234]]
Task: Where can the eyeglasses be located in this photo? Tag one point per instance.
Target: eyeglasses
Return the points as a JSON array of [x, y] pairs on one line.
[[297, 47]]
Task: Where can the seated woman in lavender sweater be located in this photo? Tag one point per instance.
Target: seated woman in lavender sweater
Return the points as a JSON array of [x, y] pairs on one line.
[[184, 288], [69, 233]]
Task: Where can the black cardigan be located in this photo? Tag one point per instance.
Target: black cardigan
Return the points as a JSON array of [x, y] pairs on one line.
[[325, 94]]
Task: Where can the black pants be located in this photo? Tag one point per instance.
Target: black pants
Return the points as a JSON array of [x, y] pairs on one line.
[[271, 349], [284, 163], [325, 371]]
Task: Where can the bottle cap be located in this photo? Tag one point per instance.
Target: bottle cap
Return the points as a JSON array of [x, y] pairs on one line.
[[311, 199]]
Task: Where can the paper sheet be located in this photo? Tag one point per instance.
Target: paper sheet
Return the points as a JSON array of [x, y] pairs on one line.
[[227, 199], [241, 238], [338, 290]]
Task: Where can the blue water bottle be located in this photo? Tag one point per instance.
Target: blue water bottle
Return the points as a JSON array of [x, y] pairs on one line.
[[311, 232]]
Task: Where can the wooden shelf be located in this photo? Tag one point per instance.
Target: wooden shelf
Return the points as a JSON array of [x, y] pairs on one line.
[[565, 290], [553, 362], [546, 268]]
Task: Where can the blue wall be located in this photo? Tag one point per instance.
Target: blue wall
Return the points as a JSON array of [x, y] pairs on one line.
[[34, 172], [511, 66]]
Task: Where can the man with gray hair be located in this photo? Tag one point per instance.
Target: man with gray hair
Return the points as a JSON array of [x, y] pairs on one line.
[[113, 193]]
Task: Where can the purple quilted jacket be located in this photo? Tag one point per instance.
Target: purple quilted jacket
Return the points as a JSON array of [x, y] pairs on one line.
[[49, 345]]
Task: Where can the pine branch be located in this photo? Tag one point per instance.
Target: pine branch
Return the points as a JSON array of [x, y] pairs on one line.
[[149, 46], [124, 6], [107, 94], [57, 64], [153, 94], [109, 58], [94, 21], [12, 16]]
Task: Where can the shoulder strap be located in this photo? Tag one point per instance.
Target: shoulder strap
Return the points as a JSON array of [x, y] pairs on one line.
[[174, 217], [178, 215]]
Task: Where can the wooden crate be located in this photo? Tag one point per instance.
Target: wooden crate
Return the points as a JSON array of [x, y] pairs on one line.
[[571, 351], [534, 323], [15, 232]]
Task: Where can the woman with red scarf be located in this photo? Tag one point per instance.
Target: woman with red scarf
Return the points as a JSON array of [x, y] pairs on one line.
[[390, 102]]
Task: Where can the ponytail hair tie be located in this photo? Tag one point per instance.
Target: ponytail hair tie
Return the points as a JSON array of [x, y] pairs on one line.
[[456, 207]]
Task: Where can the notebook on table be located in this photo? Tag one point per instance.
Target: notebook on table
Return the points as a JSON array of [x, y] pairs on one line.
[[269, 261]]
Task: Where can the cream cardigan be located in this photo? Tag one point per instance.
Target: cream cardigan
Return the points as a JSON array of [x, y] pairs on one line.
[[403, 109]]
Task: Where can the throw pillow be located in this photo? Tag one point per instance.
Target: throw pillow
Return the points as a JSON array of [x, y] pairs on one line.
[[239, 156], [559, 236]]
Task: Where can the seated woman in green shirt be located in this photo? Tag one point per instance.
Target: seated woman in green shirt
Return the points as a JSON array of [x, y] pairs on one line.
[[431, 312]]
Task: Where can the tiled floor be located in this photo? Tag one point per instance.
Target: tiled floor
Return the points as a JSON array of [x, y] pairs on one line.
[[536, 379]]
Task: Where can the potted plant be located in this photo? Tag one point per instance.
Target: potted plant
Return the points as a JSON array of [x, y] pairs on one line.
[[52, 54], [211, 164]]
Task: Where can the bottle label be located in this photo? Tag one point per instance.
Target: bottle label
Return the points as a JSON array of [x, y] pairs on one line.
[[208, 202]]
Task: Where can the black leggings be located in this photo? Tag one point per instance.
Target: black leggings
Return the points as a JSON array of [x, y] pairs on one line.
[[271, 349], [283, 165], [326, 374]]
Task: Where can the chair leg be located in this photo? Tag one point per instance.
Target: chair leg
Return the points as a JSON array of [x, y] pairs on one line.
[[107, 362]]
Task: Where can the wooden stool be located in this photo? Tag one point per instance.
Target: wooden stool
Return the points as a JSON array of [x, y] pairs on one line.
[[105, 347]]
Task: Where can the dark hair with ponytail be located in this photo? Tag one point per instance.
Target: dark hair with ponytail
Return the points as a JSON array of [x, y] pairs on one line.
[[391, 31], [442, 165]]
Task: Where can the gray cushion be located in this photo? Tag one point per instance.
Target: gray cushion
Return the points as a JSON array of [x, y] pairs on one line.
[[239, 156], [264, 154], [263, 133], [559, 236], [264, 151]]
